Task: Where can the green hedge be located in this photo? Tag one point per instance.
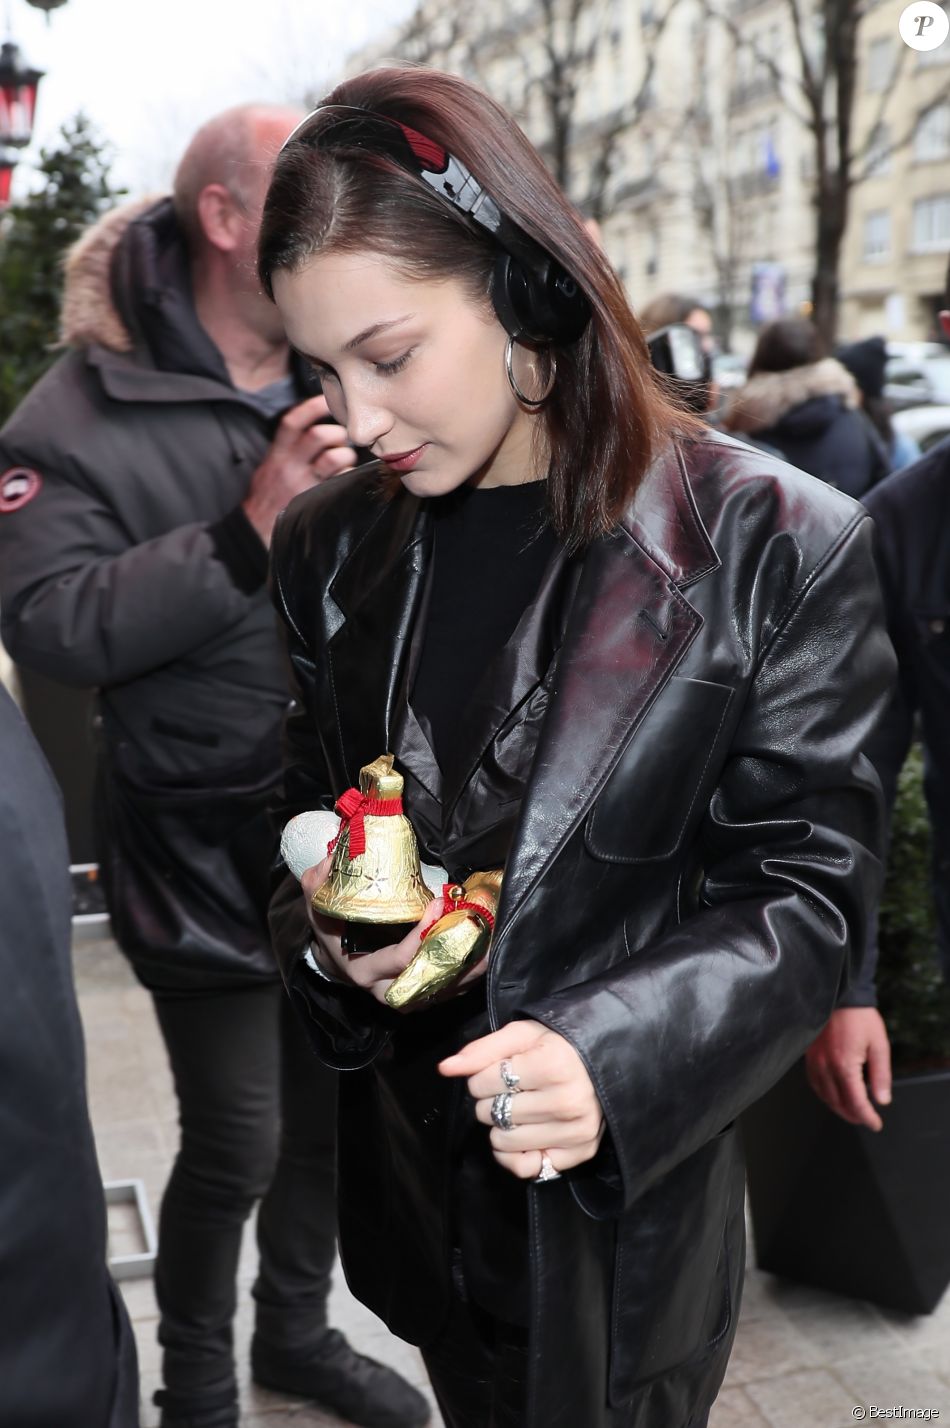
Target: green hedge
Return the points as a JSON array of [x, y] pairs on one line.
[[913, 996]]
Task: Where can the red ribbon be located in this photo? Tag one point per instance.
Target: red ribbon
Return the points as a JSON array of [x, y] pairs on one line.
[[353, 807], [462, 904]]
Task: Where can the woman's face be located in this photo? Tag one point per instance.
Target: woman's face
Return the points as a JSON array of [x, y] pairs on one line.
[[414, 369]]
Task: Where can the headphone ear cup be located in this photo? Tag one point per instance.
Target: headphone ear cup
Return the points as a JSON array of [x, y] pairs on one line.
[[511, 298], [538, 307]]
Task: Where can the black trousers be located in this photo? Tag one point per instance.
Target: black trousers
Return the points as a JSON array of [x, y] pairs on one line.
[[258, 1122]]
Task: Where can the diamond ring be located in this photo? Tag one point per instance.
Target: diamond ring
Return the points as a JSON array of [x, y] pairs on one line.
[[511, 1078], [547, 1170], [501, 1110]]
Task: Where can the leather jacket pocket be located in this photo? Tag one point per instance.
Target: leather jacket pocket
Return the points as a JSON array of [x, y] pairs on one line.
[[678, 1263], [664, 777]]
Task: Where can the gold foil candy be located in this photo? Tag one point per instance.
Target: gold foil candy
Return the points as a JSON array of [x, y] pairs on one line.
[[456, 942], [384, 882]]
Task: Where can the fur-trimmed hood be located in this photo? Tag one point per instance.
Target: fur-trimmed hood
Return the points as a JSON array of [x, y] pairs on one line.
[[768, 397], [89, 314]]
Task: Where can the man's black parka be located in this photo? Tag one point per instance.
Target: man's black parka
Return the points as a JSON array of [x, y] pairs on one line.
[[911, 512], [686, 885]]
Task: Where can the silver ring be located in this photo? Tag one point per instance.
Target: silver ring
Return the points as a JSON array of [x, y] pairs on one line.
[[501, 1111], [547, 1170], [511, 1078]]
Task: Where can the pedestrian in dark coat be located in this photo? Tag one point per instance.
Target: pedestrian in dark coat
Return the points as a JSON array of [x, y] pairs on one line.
[[67, 1355], [139, 484], [630, 662], [867, 362], [807, 407]]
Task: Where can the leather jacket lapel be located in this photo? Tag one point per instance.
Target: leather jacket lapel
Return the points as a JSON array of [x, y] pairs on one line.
[[377, 588], [628, 628]]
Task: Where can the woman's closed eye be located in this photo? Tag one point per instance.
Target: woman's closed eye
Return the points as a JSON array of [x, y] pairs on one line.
[[389, 369]]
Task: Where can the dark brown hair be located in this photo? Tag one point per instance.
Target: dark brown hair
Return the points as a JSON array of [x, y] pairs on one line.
[[608, 414], [789, 342]]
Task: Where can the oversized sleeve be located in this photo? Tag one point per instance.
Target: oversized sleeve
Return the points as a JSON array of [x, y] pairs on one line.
[[346, 1025], [681, 1039]]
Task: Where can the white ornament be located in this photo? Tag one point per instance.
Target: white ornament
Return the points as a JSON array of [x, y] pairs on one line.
[[305, 839]]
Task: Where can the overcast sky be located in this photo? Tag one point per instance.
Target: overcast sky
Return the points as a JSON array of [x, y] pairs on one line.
[[148, 72]]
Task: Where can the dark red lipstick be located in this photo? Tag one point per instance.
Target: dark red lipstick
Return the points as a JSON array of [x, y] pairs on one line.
[[404, 460]]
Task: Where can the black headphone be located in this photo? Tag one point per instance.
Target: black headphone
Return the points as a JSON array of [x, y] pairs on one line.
[[536, 300]]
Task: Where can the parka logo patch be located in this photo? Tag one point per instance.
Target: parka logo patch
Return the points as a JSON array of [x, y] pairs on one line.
[[17, 487]]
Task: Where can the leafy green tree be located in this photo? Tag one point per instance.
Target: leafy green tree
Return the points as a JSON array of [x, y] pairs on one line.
[[913, 996], [35, 234]]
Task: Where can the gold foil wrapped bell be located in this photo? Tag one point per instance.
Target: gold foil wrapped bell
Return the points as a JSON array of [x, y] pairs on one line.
[[453, 944], [375, 875]]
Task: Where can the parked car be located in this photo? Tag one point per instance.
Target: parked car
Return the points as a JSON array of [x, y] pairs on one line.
[[913, 381], [926, 425]]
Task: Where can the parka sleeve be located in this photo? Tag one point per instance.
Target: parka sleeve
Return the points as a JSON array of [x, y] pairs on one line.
[[344, 1023], [679, 1040], [84, 604], [893, 736]]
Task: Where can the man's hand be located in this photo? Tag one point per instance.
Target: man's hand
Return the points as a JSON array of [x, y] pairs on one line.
[[555, 1111], [373, 971], [302, 454], [835, 1061]]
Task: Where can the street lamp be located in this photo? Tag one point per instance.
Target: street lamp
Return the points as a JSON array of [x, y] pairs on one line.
[[18, 86], [46, 5], [7, 165]]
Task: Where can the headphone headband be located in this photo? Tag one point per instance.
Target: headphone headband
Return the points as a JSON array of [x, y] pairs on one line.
[[543, 303]]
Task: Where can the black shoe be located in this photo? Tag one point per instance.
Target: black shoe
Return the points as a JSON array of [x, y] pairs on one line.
[[336, 1377], [216, 1410]]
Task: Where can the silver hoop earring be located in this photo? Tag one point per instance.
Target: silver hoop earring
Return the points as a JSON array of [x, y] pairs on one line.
[[532, 403]]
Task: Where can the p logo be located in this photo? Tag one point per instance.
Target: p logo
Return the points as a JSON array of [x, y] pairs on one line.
[[924, 26], [18, 486]]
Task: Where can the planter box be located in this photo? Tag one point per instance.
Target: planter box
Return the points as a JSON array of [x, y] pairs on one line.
[[845, 1209]]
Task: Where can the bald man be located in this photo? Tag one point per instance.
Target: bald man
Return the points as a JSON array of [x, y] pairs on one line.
[[139, 484]]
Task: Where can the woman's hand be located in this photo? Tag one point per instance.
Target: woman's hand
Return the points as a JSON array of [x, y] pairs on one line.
[[555, 1110], [373, 971]]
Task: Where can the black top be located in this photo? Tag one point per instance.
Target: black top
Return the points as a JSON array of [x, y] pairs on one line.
[[490, 549]]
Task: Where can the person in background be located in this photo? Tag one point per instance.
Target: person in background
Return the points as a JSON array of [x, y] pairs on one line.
[[867, 363], [807, 406], [67, 1355], [849, 1064], [671, 308], [141, 480]]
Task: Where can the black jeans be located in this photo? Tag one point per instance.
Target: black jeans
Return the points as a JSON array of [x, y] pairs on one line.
[[258, 1122]]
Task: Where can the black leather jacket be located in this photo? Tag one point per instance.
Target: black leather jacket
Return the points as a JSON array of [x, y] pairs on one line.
[[688, 880]]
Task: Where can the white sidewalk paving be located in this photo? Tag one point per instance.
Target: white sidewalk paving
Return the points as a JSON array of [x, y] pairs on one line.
[[802, 1359]]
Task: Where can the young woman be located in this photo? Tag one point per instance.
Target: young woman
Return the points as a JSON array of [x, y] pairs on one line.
[[628, 661]]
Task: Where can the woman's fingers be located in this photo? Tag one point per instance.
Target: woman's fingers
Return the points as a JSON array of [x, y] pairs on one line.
[[532, 1108], [489, 1051], [526, 1165], [548, 1061], [314, 878], [571, 1134]]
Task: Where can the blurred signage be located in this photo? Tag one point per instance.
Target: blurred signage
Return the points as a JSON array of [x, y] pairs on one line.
[[768, 292]]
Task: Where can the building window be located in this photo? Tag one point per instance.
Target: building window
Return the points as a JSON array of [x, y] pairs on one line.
[[932, 134], [880, 64], [879, 155], [877, 236], [931, 230]]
